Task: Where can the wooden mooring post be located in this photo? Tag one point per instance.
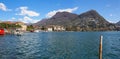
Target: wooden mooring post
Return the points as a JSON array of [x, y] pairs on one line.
[[100, 47]]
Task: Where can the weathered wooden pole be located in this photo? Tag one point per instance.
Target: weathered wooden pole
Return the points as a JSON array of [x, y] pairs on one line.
[[100, 47]]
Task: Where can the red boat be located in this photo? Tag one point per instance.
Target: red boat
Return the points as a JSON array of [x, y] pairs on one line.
[[2, 32]]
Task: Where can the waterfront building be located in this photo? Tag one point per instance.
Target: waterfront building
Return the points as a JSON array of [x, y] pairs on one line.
[[58, 28], [49, 29], [23, 26]]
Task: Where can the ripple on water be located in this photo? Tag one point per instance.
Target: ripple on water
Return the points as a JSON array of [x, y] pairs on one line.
[[59, 45]]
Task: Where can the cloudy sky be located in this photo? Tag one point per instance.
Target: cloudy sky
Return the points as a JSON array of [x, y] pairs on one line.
[[31, 11]]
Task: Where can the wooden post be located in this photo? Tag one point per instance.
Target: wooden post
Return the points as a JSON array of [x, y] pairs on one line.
[[100, 47]]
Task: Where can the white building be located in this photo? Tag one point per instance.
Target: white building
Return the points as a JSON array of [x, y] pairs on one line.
[[50, 29], [23, 26], [59, 28]]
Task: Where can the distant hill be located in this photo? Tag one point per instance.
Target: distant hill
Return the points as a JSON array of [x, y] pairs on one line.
[[118, 23], [90, 20]]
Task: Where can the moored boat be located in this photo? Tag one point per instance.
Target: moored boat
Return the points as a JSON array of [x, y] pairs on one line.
[[2, 32], [18, 32], [37, 31]]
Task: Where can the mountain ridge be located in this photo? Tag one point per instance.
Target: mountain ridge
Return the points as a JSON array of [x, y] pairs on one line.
[[90, 20]]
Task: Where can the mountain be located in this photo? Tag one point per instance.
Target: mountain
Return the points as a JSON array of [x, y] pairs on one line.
[[61, 18], [90, 20], [89, 17], [118, 23], [92, 15]]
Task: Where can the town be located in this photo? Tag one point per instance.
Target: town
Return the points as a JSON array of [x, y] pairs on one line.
[[9, 27]]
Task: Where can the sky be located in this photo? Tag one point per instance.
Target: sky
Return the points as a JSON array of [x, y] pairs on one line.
[[31, 11]]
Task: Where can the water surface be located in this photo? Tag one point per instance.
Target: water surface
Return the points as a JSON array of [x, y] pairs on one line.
[[60, 45]]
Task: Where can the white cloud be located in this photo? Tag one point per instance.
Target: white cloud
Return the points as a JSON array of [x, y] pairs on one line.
[[3, 7], [25, 12], [26, 19], [52, 13]]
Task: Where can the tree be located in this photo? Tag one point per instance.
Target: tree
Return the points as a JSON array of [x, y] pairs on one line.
[[9, 26], [29, 28]]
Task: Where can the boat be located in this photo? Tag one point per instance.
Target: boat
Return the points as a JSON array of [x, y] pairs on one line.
[[2, 32], [31, 30], [36, 31], [18, 32]]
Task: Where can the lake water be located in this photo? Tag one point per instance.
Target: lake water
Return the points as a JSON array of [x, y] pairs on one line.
[[60, 45]]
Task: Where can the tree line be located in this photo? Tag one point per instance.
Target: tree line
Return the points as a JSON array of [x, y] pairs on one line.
[[9, 26]]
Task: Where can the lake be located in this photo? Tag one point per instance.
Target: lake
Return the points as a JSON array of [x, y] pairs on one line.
[[60, 45]]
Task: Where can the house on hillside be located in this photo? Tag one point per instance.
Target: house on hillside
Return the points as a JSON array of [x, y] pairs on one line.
[[23, 26], [7, 22]]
